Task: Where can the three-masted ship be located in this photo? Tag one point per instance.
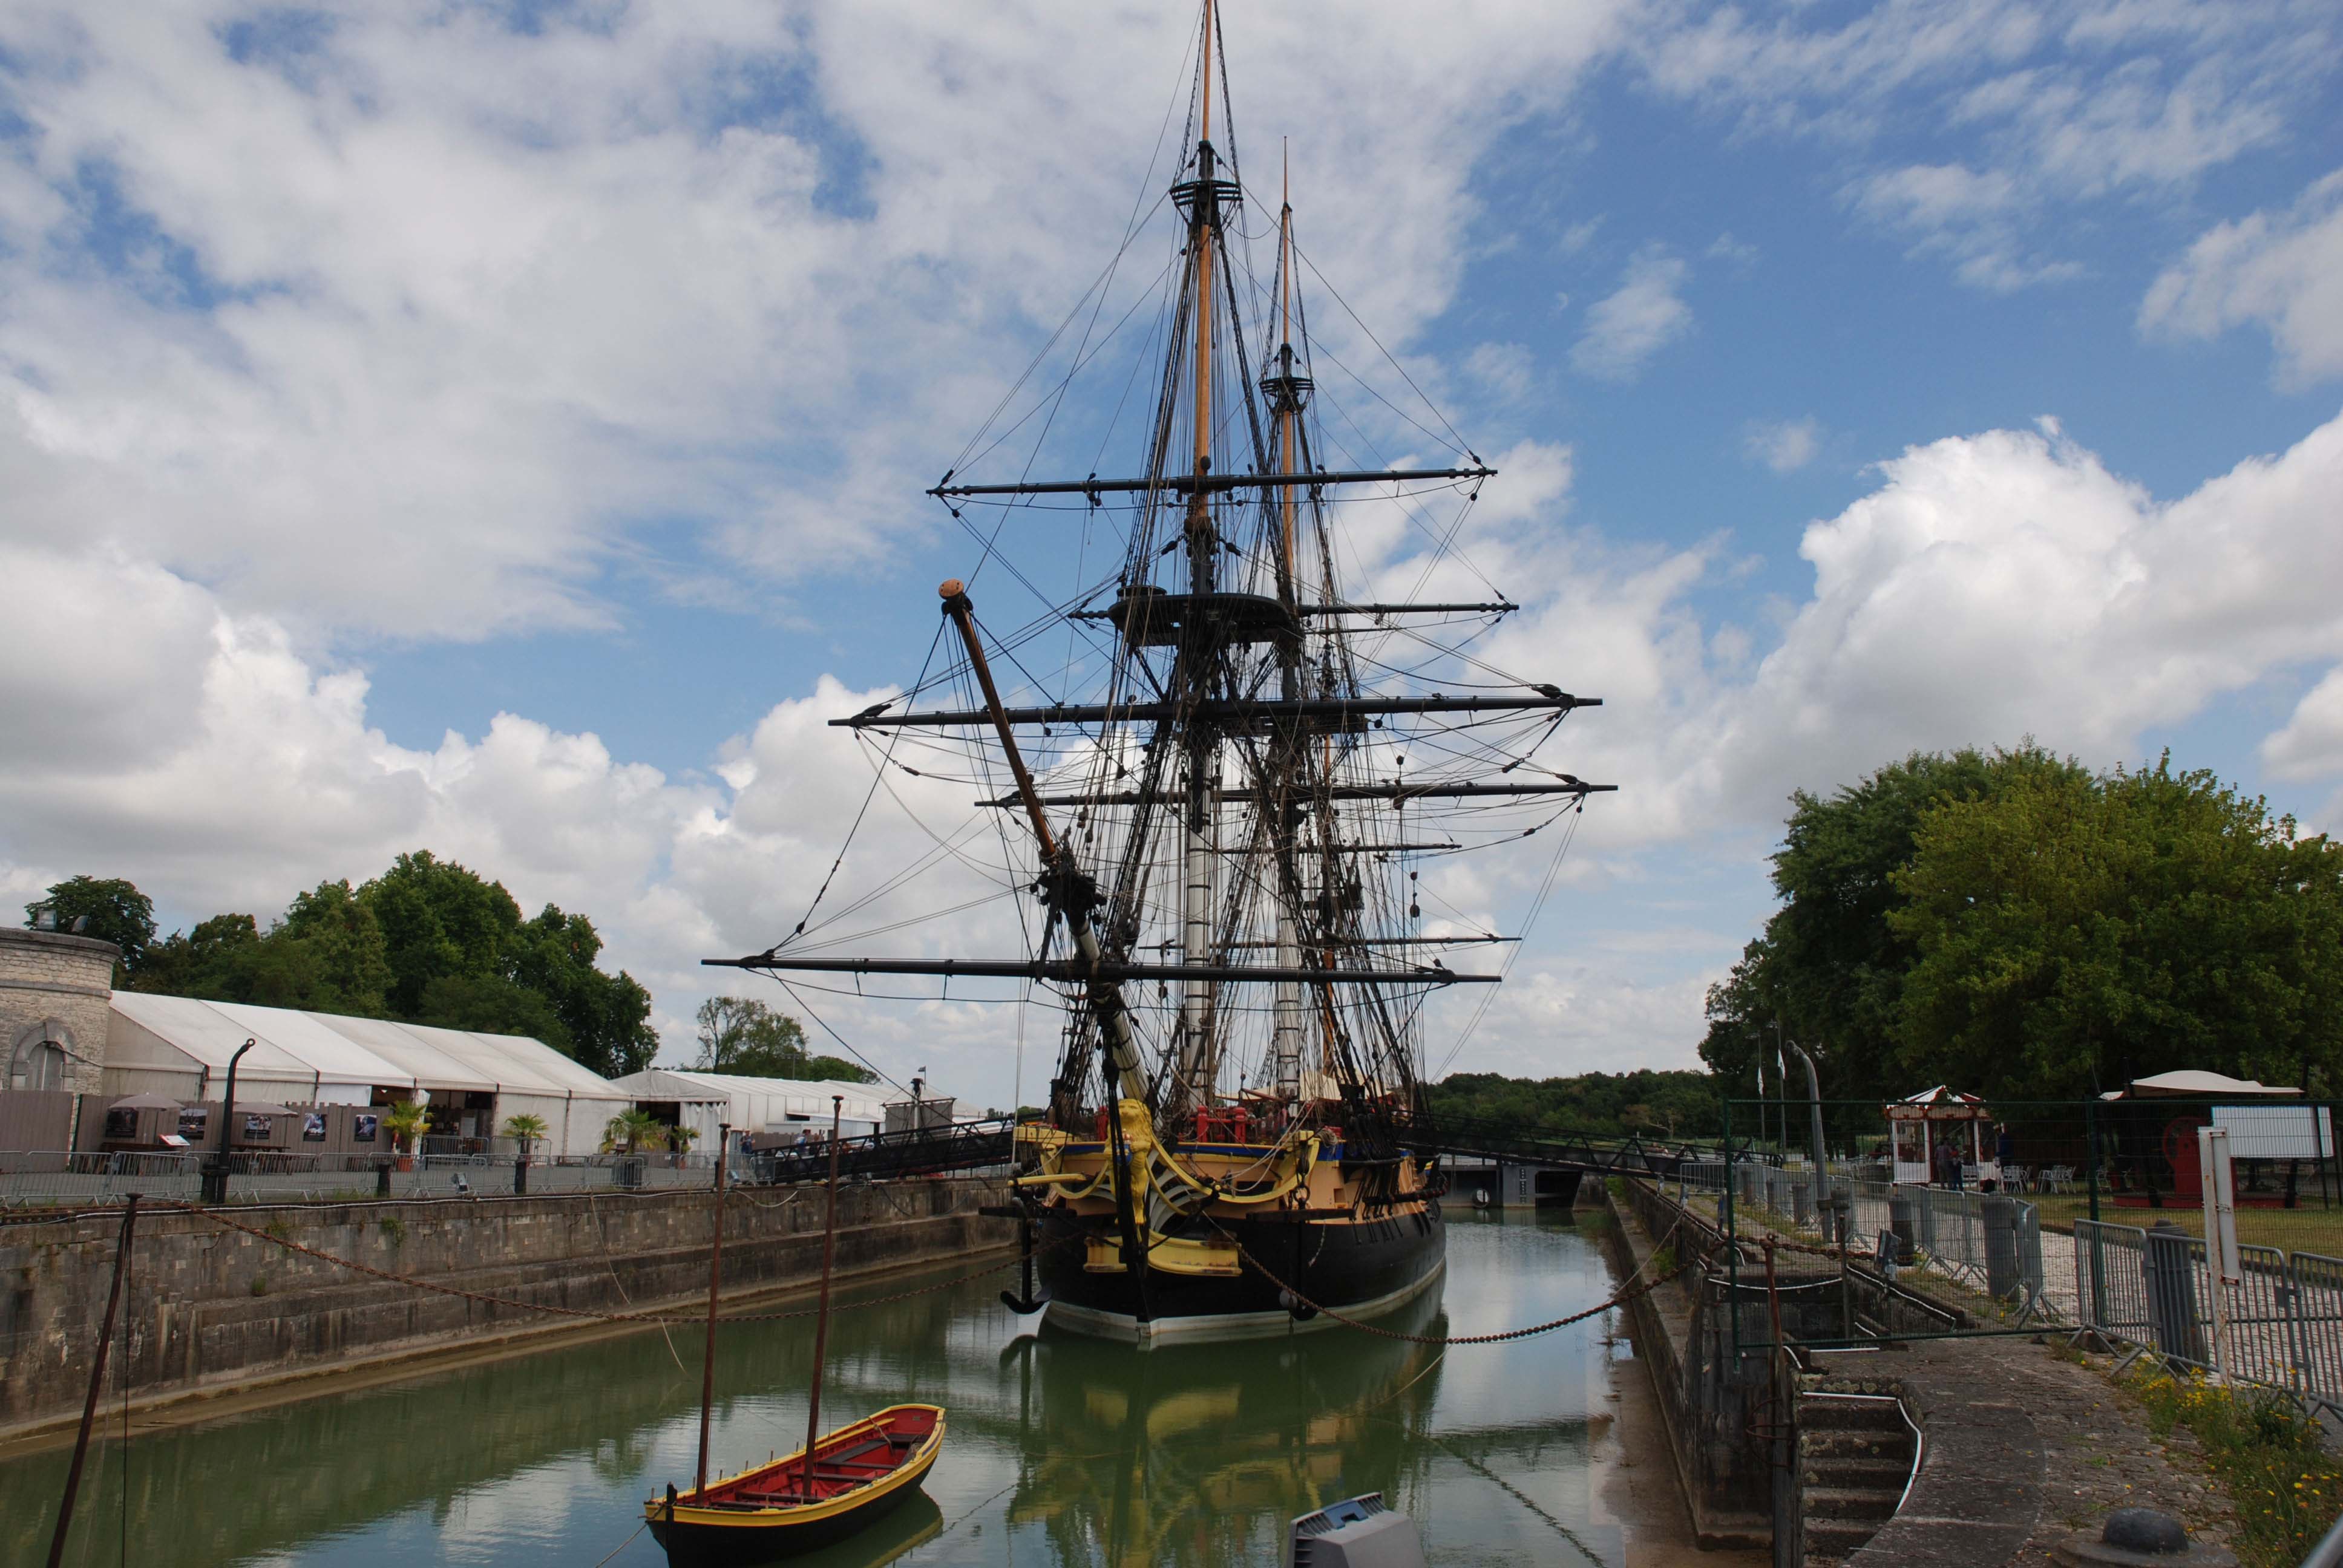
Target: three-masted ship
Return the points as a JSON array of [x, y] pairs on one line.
[[1225, 833]]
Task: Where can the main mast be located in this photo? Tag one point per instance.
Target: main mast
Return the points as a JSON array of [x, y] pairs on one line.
[[1170, 872], [1193, 667]]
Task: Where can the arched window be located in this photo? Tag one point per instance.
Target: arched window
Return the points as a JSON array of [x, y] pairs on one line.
[[39, 1060]]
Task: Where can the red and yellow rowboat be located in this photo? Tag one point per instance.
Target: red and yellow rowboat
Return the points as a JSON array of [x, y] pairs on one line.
[[859, 1473]]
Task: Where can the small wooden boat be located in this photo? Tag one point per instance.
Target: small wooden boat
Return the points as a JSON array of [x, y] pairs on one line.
[[833, 1488], [861, 1473]]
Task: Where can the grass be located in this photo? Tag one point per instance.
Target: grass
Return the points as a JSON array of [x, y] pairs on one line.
[[2271, 1457], [2309, 1229]]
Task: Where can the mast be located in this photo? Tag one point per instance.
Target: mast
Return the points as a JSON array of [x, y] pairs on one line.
[[715, 1282], [1193, 670], [822, 1315], [1285, 1012], [1235, 786]]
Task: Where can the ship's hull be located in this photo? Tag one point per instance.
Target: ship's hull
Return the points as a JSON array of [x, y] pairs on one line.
[[1356, 1267]]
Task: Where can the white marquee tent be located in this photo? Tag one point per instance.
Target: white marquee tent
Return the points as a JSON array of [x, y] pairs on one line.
[[703, 1100], [175, 1045]]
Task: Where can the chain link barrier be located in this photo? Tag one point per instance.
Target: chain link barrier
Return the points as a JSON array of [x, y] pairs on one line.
[[1618, 1300]]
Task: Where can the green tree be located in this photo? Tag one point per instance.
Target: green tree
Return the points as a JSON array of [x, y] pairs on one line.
[[107, 907], [606, 1017], [490, 1004], [438, 920], [1600, 1104], [404, 1120], [2071, 933], [345, 942], [742, 1035], [212, 962], [525, 1130], [1828, 970], [631, 1131]]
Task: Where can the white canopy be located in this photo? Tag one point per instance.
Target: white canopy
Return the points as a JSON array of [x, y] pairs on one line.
[[179, 1045], [755, 1104], [2190, 1084]]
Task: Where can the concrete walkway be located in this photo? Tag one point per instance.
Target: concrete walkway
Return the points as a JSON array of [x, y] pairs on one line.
[[2026, 1443]]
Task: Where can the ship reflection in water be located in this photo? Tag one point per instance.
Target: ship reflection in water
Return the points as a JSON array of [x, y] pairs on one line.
[[1067, 1451]]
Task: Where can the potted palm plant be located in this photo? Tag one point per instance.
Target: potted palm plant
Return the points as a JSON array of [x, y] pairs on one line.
[[404, 1121], [524, 1130], [628, 1133], [680, 1140]]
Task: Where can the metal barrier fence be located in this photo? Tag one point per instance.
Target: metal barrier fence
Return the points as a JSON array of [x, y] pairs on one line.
[[49, 1179], [2282, 1318], [1990, 1242]]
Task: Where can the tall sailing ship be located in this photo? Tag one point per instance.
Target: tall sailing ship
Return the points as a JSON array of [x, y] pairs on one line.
[[1222, 840]]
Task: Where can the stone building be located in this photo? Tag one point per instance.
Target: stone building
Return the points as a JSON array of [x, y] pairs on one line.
[[54, 1013]]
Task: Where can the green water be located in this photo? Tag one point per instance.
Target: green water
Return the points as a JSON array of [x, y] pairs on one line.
[[1062, 1451]]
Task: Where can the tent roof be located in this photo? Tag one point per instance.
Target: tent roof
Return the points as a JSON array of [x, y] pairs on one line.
[[147, 1102], [808, 1094], [332, 1048], [2190, 1082]]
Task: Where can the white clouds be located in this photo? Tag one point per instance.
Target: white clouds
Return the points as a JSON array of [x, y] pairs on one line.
[[1990, 586], [2311, 744], [1506, 371], [2020, 112], [2283, 272], [407, 323], [1785, 445], [1974, 217], [1643, 315]]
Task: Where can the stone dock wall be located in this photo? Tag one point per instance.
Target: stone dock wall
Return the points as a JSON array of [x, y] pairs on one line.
[[207, 1309]]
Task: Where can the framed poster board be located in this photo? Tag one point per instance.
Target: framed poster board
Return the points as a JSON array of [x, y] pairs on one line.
[[192, 1121], [362, 1129], [256, 1129], [121, 1124], [313, 1131]]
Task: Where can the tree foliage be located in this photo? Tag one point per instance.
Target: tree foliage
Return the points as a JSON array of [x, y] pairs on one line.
[[427, 941], [742, 1035], [107, 907], [2013, 923], [1601, 1104]]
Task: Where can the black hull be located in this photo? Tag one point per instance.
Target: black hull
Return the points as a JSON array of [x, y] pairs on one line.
[[1355, 1267]]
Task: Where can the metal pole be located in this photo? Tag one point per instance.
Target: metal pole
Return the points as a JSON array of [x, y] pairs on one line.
[[216, 1178], [97, 1381], [1815, 1098], [2091, 1153], [821, 1318], [715, 1281]]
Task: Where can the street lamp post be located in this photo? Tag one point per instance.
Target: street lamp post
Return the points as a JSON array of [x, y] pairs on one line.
[[216, 1172]]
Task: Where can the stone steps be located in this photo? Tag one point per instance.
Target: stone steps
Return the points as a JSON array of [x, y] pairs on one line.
[[1854, 1457]]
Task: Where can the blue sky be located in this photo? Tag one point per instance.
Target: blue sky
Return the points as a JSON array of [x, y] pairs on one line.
[[501, 428]]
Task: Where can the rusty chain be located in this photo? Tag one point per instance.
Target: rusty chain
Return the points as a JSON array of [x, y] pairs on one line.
[[1621, 1299]]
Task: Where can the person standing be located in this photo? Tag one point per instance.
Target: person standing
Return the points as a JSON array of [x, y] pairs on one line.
[[1948, 1165]]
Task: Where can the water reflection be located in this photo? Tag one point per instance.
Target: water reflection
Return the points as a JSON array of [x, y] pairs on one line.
[[1062, 1450]]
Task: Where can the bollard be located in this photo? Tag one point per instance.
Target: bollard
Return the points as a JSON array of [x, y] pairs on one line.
[[520, 1184], [1902, 1218], [2001, 1280], [2172, 1296], [382, 1177], [1802, 1203]]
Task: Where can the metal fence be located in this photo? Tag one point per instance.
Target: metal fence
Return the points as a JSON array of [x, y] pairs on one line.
[[2280, 1323], [50, 1178], [1987, 1243]]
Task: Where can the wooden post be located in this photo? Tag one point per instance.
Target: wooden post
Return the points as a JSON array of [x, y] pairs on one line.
[[715, 1280], [822, 1316], [97, 1382]]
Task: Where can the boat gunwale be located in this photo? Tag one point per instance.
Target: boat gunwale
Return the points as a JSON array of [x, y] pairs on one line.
[[910, 1473]]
